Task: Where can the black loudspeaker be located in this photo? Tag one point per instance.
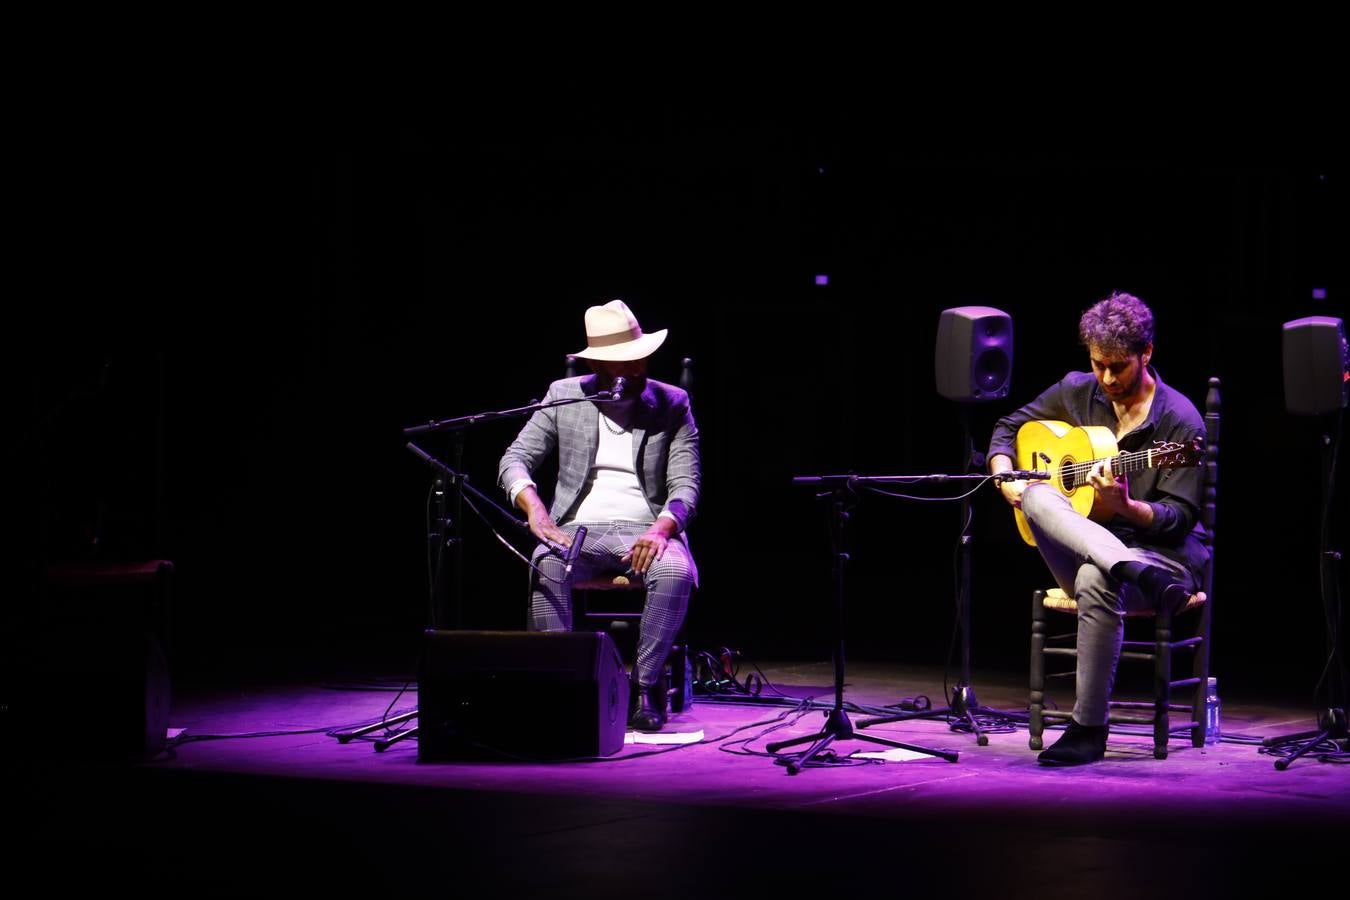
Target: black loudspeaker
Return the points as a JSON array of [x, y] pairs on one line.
[[88, 649], [533, 695], [107, 692], [1316, 366], [973, 361]]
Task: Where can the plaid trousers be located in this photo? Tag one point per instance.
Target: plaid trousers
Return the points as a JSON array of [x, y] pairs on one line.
[[669, 581]]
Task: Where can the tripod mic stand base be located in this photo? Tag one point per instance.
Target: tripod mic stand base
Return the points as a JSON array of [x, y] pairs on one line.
[[963, 707], [838, 726], [1333, 720], [963, 699], [1331, 725], [344, 737]]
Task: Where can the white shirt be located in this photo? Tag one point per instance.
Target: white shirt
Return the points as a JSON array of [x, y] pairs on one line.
[[612, 492]]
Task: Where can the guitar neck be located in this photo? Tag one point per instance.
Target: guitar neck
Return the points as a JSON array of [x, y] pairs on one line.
[[1121, 464]]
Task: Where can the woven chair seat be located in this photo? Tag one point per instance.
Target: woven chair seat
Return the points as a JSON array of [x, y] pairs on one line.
[[1056, 599]]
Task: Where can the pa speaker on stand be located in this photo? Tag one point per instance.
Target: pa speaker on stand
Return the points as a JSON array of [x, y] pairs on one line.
[[973, 358], [1317, 383], [1316, 366], [972, 362]]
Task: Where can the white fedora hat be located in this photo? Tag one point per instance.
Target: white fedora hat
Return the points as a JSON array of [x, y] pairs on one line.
[[613, 334]]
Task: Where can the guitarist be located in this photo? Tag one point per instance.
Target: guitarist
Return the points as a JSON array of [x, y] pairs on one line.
[[1145, 546]]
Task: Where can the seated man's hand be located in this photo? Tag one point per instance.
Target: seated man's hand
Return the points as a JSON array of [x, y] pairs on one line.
[[543, 527], [647, 550]]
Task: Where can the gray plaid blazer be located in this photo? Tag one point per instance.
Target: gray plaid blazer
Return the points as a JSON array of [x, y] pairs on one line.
[[665, 448]]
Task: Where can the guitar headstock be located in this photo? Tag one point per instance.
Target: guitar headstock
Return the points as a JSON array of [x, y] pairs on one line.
[[1171, 455]]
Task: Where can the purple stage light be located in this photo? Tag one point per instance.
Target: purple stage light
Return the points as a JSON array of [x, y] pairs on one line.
[[822, 280]]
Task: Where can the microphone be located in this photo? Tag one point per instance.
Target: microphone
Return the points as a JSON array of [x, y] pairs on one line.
[[616, 392], [574, 550], [1024, 475]]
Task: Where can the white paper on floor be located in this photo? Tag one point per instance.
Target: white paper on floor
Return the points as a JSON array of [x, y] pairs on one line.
[[663, 737], [895, 754]]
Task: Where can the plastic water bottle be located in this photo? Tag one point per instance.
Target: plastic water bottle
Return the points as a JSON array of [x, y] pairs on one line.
[[1213, 725], [688, 682]]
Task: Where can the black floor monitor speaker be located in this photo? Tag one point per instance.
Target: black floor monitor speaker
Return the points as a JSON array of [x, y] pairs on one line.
[[1316, 366], [532, 695], [86, 693], [83, 667]]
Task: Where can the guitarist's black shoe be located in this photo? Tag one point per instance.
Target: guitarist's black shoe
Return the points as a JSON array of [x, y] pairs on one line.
[[647, 706], [1164, 589], [1078, 745]]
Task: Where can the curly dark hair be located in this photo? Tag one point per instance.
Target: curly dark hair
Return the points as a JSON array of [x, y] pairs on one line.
[[1120, 323]]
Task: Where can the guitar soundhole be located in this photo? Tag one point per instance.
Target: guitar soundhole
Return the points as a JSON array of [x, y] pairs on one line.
[[1068, 477]]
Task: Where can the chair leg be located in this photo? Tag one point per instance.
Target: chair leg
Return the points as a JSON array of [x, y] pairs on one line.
[[1162, 681], [1200, 670], [1036, 722], [679, 676]]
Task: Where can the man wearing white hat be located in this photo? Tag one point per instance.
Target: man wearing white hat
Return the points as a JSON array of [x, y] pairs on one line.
[[629, 472]]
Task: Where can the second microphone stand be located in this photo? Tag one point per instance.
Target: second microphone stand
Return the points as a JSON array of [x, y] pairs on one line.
[[443, 538], [963, 710], [837, 724]]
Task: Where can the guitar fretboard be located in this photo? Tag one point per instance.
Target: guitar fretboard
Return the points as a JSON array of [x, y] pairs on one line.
[[1076, 473]]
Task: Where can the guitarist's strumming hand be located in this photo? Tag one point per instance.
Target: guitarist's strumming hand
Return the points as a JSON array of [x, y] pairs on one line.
[[1113, 496]]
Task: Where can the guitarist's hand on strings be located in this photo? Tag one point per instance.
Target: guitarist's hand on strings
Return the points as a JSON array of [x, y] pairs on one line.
[[1113, 495]]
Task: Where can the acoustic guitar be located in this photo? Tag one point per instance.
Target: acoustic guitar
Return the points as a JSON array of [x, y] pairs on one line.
[[1067, 454]]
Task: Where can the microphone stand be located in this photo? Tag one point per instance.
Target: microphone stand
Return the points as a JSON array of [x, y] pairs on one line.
[[449, 533], [567, 554], [962, 706], [837, 724], [459, 483]]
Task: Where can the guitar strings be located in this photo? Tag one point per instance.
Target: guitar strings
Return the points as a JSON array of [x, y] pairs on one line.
[[1123, 464]]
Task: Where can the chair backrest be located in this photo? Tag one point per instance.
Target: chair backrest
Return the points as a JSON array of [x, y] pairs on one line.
[[1208, 518], [1209, 500]]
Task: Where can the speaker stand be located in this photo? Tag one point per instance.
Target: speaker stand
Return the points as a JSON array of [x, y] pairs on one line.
[[1331, 720]]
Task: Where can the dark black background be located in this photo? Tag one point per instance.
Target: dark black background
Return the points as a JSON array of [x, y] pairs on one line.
[[246, 303]]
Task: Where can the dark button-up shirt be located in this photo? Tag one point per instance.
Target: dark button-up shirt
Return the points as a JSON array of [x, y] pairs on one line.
[[1174, 494]]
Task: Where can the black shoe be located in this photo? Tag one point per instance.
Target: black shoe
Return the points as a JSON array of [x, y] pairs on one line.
[[1163, 588], [1080, 744], [647, 706]]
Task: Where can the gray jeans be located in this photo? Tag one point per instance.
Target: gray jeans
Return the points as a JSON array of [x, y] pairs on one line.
[[1080, 554], [669, 581]]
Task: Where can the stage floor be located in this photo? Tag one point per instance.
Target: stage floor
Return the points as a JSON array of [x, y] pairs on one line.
[[298, 809]]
